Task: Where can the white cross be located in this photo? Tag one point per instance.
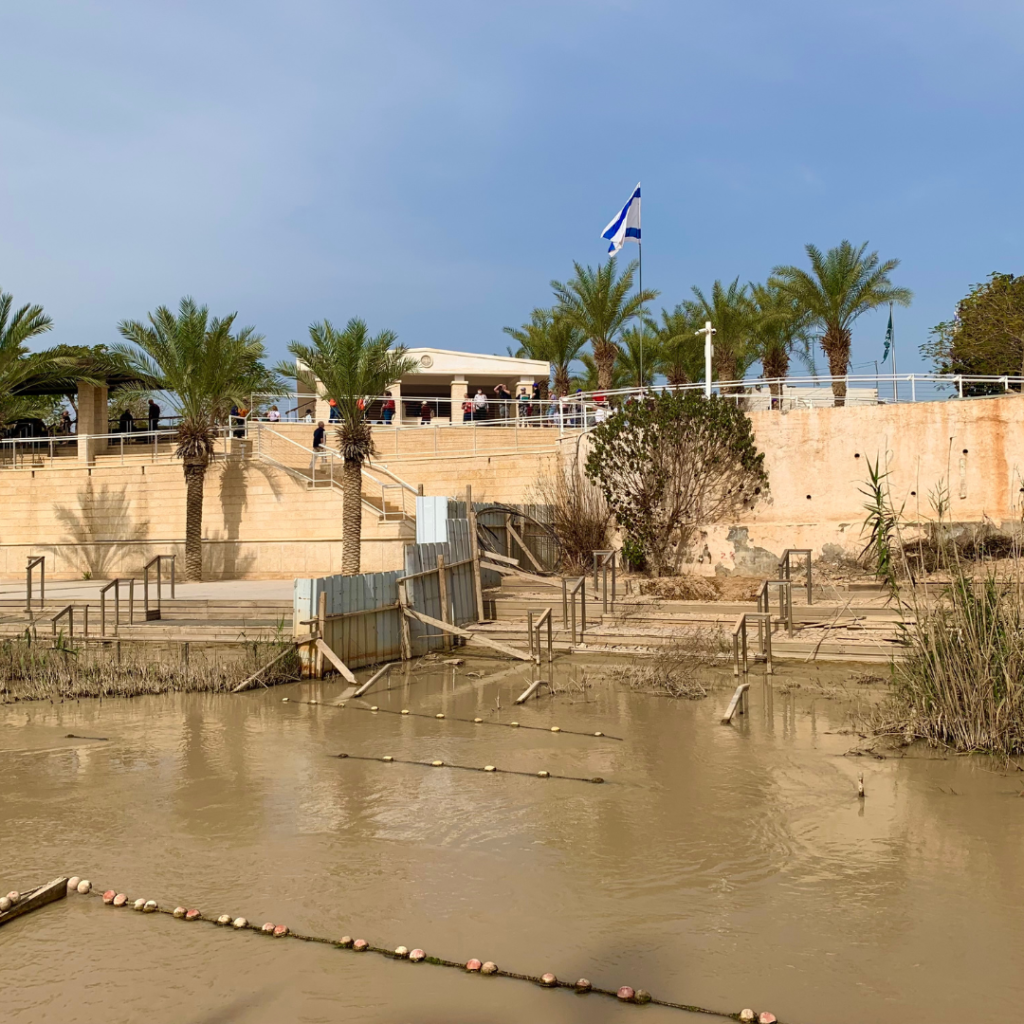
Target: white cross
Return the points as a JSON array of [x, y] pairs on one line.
[[709, 351]]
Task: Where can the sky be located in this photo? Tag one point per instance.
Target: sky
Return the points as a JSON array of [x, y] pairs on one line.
[[431, 166]]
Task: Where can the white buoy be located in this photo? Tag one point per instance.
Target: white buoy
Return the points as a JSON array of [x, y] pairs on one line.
[[401, 951], [138, 904], [84, 886], [150, 907], [180, 912], [488, 767], [5, 904], [224, 919], [73, 883], [437, 764], [240, 922]]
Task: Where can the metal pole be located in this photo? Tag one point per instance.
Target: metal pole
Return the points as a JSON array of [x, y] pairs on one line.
[[529, 630]]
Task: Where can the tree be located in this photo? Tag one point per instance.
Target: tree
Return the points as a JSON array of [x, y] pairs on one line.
[[206, 369], [349, 365], [841, 285], [680, 351], [986, 336], [779, 331], [552, 338], [639, 357], [671, 464], [600, 304], [18, 367], [732, 315]]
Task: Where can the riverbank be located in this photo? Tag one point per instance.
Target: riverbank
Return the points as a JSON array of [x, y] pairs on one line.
[[721, 866]]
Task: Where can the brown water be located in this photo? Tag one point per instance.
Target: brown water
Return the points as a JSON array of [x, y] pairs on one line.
[[725, 867]]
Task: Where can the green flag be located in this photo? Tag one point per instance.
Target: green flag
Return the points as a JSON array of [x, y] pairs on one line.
[[888, 337]]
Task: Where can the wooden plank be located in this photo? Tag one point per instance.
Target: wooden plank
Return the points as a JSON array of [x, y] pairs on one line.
[[446, 614], [734, 703], [246, 684], [526, 551], [507, 570], [459, 631], [33, 899], [474, 542], [342, 668], [494, 556], [403, 601], [369, 682]]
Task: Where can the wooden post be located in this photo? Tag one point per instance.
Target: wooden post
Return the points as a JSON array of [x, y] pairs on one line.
[[474, 547], [321, 627], [403, 605], [442, 586]]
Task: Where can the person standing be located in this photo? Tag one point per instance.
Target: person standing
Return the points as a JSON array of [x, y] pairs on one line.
[[273, 415], [154, 415], [318, 443], [467, 409], [388, 410], [425, 414], [479, 405], [503, 395]]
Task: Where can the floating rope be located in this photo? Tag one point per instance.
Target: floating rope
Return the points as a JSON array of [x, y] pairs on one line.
[[387, 758], [472, 721], [625, 994]]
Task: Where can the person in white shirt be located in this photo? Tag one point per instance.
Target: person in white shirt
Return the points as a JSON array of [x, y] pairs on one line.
[[479, 405], [273, 416]]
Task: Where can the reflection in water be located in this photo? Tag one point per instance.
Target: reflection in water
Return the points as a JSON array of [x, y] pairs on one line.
[[725, 866]]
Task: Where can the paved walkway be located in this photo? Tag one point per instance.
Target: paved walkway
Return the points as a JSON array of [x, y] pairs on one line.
[[224, 590]]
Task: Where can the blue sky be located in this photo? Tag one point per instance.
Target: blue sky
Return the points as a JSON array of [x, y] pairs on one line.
[[430, 166]]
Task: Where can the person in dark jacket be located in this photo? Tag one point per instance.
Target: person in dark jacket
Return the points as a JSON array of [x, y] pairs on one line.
[[319, 435], [154, 415]]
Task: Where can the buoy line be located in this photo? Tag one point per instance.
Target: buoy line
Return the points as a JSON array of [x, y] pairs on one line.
[[388, 759], [626, 993], [472, 721]]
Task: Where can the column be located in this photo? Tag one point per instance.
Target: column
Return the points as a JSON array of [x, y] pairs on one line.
[[460, 388], [92, 420]]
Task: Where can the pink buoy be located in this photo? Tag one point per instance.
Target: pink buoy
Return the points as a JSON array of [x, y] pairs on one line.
[[193, 915], [120, 900], [626, 994], [489, 967], [548, 980], [766, 1018], [108, 896], [360, 945], [473, 965], [280, 931], [268, 928], [417, 955], [583, 985]]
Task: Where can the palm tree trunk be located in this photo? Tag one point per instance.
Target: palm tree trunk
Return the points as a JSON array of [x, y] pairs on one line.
[[351, 516], [836, 345], [195, 477], [775, 365], [677, 375], [604, 359], [562, 380]]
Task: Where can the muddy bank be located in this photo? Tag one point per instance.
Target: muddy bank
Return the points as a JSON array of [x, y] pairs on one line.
[[725, 866]]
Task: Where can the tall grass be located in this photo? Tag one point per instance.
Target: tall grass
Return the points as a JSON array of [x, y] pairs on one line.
[[580, 515], [59, 670], [961, 683]]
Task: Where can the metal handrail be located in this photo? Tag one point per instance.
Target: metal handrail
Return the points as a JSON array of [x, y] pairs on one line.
[[569, 606], [150, 614], [739, 634], [603, 560], [785, 600], [534, 628], [69, 611], [116, 584], [39, 560], [786, 571]]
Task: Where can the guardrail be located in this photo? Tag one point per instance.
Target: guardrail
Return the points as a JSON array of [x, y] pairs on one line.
[[785, 601], [151, 614], [534, 630], [116, 585], [739, 642], [32, 562], [69, 611], [603, 562], [786, 568], [569, 595]]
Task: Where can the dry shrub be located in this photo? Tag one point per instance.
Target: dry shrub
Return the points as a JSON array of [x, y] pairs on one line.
[[58, 670], [579, 516], [679, 671], [687, 587]]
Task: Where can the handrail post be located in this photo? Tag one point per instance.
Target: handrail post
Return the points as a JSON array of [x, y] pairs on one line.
[[529, 632]]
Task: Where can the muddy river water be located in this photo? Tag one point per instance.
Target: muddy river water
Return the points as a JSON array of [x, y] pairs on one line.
[[720, 866]]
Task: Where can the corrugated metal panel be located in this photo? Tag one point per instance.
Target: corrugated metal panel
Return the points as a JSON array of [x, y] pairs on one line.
[[431, 519]]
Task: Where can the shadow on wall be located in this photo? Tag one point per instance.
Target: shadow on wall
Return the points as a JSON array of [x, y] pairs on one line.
[[101, 515], [224, 561]]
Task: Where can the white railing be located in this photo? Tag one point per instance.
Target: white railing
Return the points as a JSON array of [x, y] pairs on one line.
[[124, 448], [324, 467]]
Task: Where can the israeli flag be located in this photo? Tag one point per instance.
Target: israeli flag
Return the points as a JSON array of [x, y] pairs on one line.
[[625, 224]]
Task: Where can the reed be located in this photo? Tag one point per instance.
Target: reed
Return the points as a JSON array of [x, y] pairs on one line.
[[683, 670], [61, 670]]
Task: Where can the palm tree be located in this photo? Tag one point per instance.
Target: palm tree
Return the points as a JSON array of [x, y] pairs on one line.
[[554, 339], [779, 331], [732, 315], [842, 284], [600, 305], [206, 369], [639, 357], [349, 365], [18, 367], [680, 352]]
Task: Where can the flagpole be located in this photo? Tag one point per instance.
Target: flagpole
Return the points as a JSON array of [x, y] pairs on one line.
[[640, 275], [895, 393]]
